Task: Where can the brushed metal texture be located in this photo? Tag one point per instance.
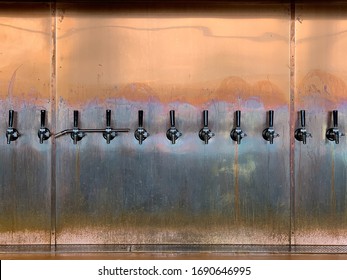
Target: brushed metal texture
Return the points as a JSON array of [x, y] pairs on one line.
[[320, 166], [25, 165]]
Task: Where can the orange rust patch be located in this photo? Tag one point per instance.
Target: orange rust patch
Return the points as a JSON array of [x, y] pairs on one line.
[[138, 92], [231, 90], [234, 89], [322, 89], [269, 94]]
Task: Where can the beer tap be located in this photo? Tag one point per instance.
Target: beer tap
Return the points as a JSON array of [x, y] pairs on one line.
[[109, 134], [173, 134], [140, 133], [269, 133], [12, 134], [78, 133], [301, 134], [236, 133], [333, 134], [43, 132], [205, 133]]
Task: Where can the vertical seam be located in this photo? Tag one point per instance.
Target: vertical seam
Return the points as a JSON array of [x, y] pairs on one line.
[[53, 124], [292, 124]]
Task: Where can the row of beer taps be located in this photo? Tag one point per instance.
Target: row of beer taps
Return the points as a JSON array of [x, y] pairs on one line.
[[172, 134]]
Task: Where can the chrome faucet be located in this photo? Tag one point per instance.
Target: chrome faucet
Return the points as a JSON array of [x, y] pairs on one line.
[[76, 134], [12, 134], [43, 132], [301, 134], [109, 134], [334, 134], [236, 133], [205, 133], [173, 134], [269, 133], [140, 133]]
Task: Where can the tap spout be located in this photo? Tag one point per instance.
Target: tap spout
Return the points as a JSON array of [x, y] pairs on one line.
[[236, 133], [12, 133], [172, 133]]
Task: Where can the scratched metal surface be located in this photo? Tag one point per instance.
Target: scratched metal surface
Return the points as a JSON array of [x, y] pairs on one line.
[[159, 193], [320, 174], [25, 176]]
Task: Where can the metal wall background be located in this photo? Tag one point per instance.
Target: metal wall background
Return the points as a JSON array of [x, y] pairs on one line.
[[185, 60], [223, 58], [320, 174], [25, 176]]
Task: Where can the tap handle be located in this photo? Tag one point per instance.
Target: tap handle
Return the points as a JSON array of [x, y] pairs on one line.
[[271, 118], [43, 118], [172, 118], [140, 118], [108, 118], [205, 115], [10, 118], [302, 117], [75, 118], [335, 118], [238, 118]]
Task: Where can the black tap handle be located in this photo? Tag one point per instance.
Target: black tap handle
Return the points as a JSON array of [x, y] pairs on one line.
[[271, 118], [172, 118], [335, 119], [205, 115], [302, 117], [43, 118], [75, 118], [10, 118], [140, 118], [108, 118], [238, 118]]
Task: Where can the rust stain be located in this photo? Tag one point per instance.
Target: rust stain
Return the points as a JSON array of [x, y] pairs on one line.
[[333, 194], [231, 90], [138, 92], [269, 94], [171, 227], [77, 169], [322, 89], [23, 237], [236, 185], [300, 176]]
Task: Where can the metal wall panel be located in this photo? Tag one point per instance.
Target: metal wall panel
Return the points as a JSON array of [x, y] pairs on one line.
[[221, 58], [320, 166], [226, 59], [25, 165]]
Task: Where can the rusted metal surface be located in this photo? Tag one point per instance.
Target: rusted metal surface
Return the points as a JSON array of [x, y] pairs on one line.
[[223, 58], [53, 100], [24, 87], [159, 193], [320, 174]]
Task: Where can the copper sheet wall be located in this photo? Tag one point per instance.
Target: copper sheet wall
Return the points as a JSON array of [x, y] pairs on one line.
[[25, 86], [188, 61], [225, 57], [320, 166]]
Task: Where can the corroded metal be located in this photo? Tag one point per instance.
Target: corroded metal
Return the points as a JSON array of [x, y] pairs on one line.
[[320, 166], [159, 193], [155, 61], [25, 164]]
